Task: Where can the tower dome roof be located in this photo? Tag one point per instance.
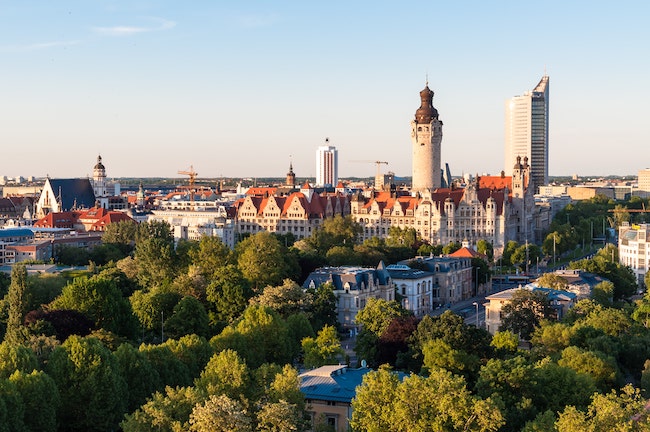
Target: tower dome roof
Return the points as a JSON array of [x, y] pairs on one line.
[[99, 165], [426, 112]]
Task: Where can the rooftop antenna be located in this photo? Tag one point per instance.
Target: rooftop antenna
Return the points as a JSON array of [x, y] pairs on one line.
[[427, 79]]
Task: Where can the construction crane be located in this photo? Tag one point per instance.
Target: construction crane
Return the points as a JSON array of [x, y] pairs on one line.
[[627, 210], [378, 163], [190, 172]]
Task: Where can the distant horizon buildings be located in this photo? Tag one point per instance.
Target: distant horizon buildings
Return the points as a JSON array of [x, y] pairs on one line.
[[526, 131], [327, 162], [644, 180]]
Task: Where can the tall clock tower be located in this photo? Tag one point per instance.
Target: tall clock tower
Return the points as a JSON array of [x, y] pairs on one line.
[[426, 135], [99, 178]]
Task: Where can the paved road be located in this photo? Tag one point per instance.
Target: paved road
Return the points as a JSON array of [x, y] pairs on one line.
[[467, 308]]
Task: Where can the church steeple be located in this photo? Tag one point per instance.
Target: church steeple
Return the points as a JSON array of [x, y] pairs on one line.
[[99, 178], [291, 177]]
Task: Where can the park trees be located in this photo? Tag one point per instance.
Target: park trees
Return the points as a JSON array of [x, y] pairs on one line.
[[220, 413], [438, 402], [263, 260], [93, 391], [226, 374], [323, 306], [614, 411], [374, 319], [261, 336], [167, 411], [523, 313], [336, 231], [139, 374], [228, 294], [324, 349], [154, 253], [189, 317], [101, 300], [485, 247], [553, 281], [286, 299], [17, 302], [210, 255], [40, 398]]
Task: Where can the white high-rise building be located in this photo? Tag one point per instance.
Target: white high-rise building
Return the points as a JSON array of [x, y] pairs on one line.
[[327, 165], [526, 131]]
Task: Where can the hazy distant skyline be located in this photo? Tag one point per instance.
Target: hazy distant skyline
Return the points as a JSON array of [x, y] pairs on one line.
[[243, 88]]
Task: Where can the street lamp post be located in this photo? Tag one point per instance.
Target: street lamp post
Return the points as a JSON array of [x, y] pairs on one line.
[[476, 304]]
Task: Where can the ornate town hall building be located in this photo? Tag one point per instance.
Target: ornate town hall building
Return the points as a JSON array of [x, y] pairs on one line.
[[494, 208]]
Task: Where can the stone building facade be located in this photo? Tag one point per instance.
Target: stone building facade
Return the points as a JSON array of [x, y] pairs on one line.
[[298, 213]]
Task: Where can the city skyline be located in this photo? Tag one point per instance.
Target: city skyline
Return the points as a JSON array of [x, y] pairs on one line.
[[243, 90]]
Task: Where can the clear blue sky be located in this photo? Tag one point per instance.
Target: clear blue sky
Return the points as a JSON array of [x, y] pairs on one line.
[[239, 88]]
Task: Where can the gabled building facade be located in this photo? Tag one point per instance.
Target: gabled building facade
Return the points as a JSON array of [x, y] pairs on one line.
[[298, 213], [60, 195], [353, 286], [496, 209]]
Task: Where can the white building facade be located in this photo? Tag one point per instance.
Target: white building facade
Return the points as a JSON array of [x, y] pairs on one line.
[[414, 288], [634, 248]]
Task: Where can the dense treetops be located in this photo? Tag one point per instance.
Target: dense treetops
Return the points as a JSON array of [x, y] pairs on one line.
[[194, 336]]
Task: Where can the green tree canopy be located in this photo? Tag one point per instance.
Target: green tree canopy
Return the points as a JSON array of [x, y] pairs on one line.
[[261, 336], [553, 281], [263, 260], [378, 313], [17, 300], [41, 400], [167, 412], [228, 293], [220, 413], [101, 300], [211, 255], [154, 253], [624, 411], [439, 402], [189, 317], [523, 313], [286, 299], [93, 391], [16, 358], [226, 374], [324, 349], [336, 231], [139, 374]]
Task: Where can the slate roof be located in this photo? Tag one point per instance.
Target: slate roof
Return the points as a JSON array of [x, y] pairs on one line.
[[73, 192], [332, 383], [357, 278], [15, 232], [336, 383], [400, 272]]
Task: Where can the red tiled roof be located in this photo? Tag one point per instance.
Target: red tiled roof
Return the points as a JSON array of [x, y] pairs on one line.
[[466, 252], [261, 191]]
